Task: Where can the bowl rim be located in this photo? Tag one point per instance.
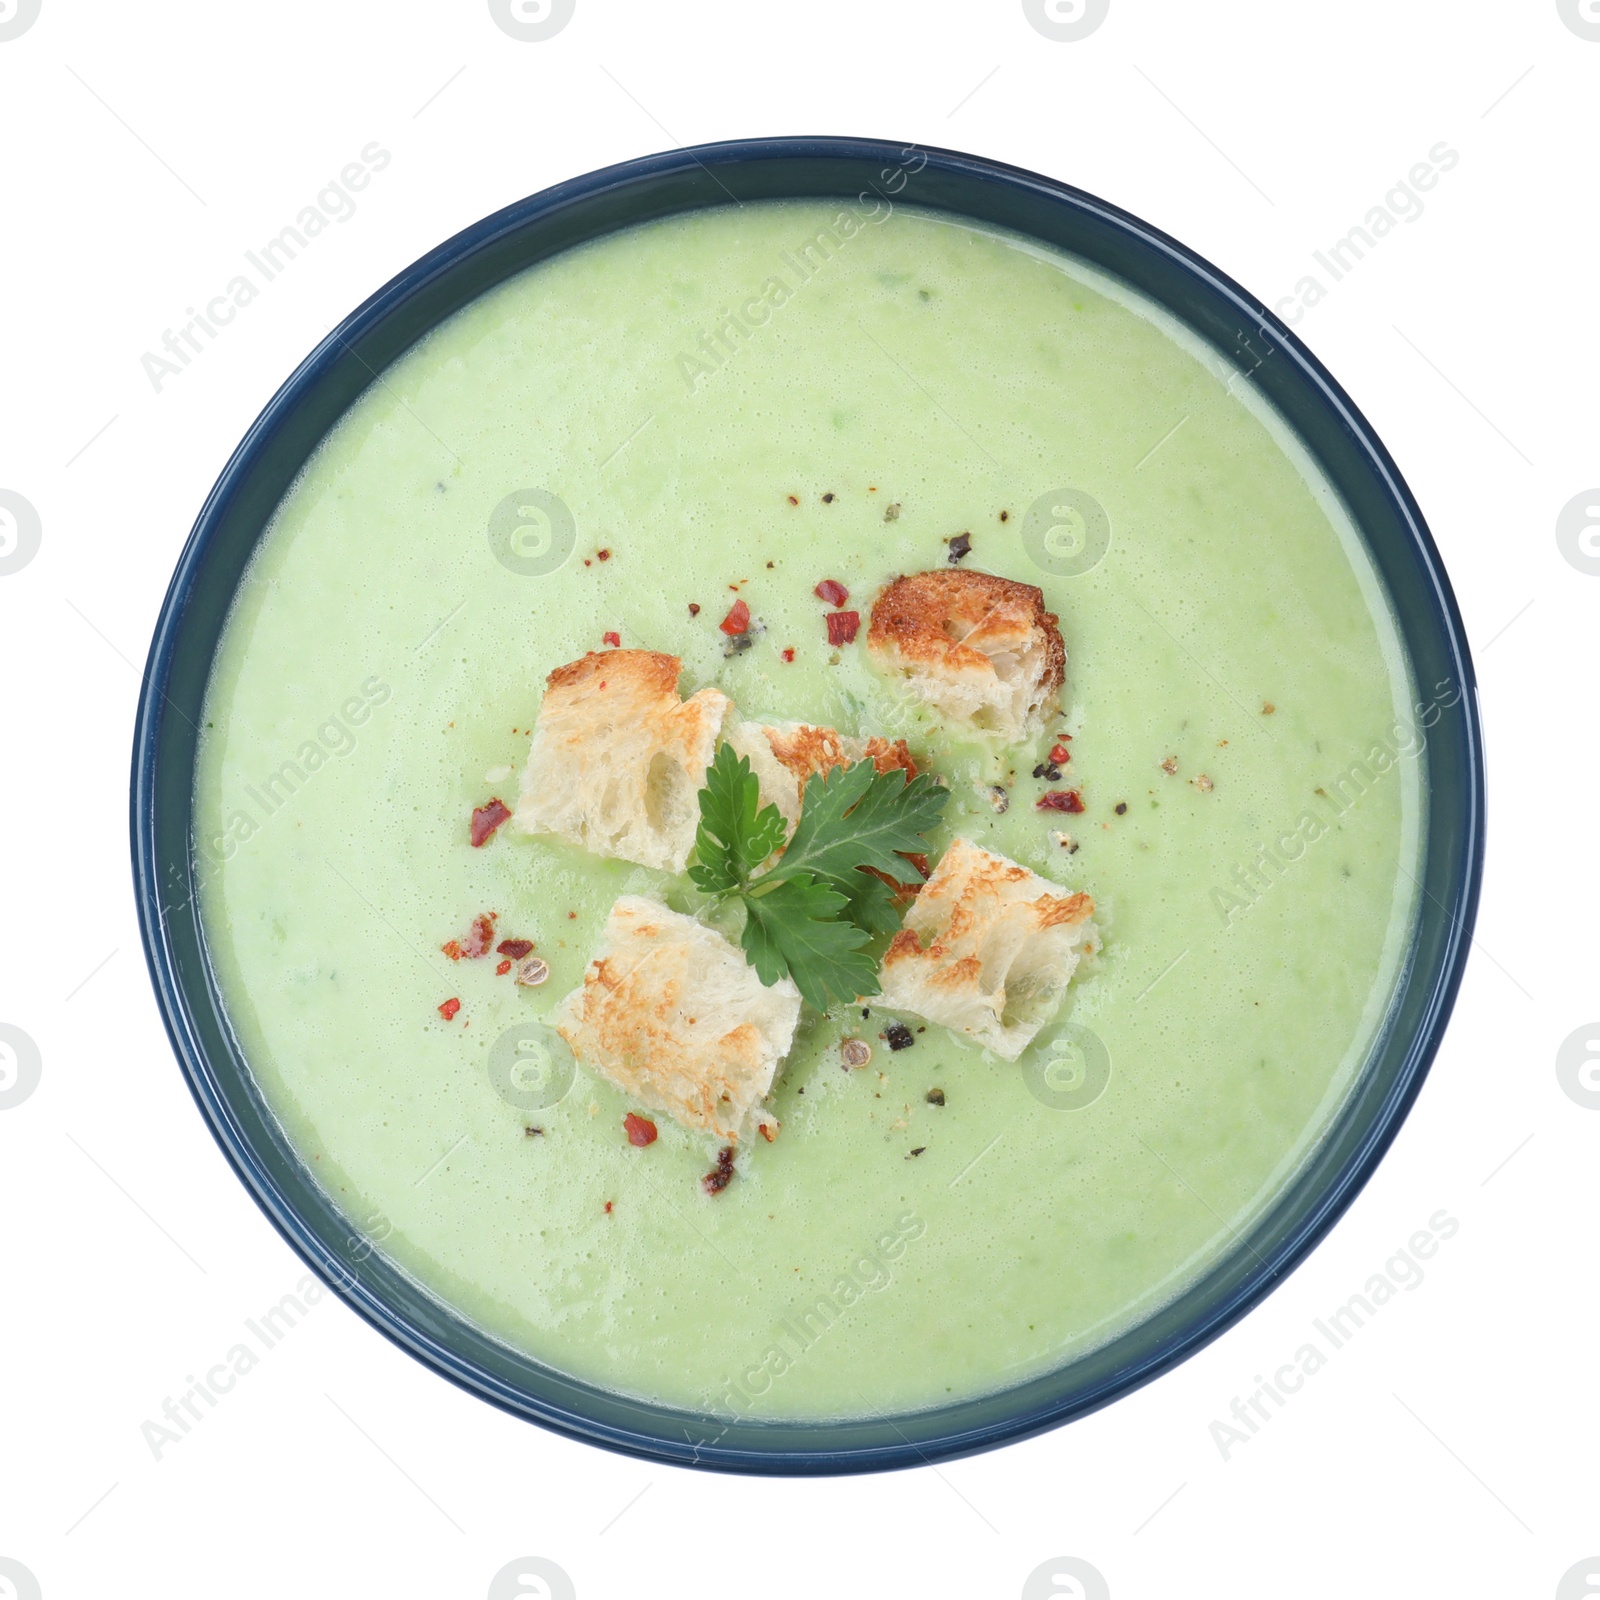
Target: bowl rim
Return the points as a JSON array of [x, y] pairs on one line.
[[739, 1449]]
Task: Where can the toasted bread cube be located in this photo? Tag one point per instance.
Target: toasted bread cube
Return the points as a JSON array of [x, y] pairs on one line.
[[988, 949], [980, 649], [618, 759], [675, 1017], [784, 755]]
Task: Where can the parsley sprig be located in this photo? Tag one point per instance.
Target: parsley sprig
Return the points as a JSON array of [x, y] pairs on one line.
[[812, 914]]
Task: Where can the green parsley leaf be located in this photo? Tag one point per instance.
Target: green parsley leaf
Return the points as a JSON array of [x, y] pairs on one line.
[[870, 902], [796, 926], [811, 915], [855, 817], [736, 832]]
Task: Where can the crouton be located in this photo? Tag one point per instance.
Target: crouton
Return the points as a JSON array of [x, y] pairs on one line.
[[977, 648], [618, 758], [988, 949], [675, 1017], [784, 755]]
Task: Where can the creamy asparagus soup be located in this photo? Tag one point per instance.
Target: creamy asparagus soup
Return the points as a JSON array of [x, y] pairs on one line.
[[621, 539]]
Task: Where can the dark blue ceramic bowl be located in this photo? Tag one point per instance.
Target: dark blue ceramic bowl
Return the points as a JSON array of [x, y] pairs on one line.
[[286, 433]]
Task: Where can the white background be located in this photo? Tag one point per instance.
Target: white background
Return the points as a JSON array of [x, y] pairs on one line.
[[1448, 1449]]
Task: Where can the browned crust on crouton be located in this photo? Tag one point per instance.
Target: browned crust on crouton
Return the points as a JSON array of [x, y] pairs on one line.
[[961, 973], [807, 749], [652, 670], [965, 888], [886, 755], [626, 1022], [1054, 911], [930, 617]]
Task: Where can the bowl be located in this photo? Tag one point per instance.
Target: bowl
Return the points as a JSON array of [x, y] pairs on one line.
[[482, 256]]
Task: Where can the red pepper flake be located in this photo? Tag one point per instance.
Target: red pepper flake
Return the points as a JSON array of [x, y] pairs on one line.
[[501, 970], [843, 626], [721, 1176], [788, 655], [608, 1206], [766, 1127], [515, 948], [449, 1009], [694, 610], [1060, 753], [477, 942], [737, 620], [1060, 800], [641, 1130], [613, 638], [452, 948], [485, 819], [604, 555], [794, 499], [831, 590]]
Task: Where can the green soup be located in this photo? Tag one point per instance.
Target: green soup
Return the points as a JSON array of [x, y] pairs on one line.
[[766, 397]]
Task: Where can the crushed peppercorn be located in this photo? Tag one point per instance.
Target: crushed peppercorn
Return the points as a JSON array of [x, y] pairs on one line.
[[898, 1036], [1121, 808], [721, 1175], [936, 1097], [960, 547]]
